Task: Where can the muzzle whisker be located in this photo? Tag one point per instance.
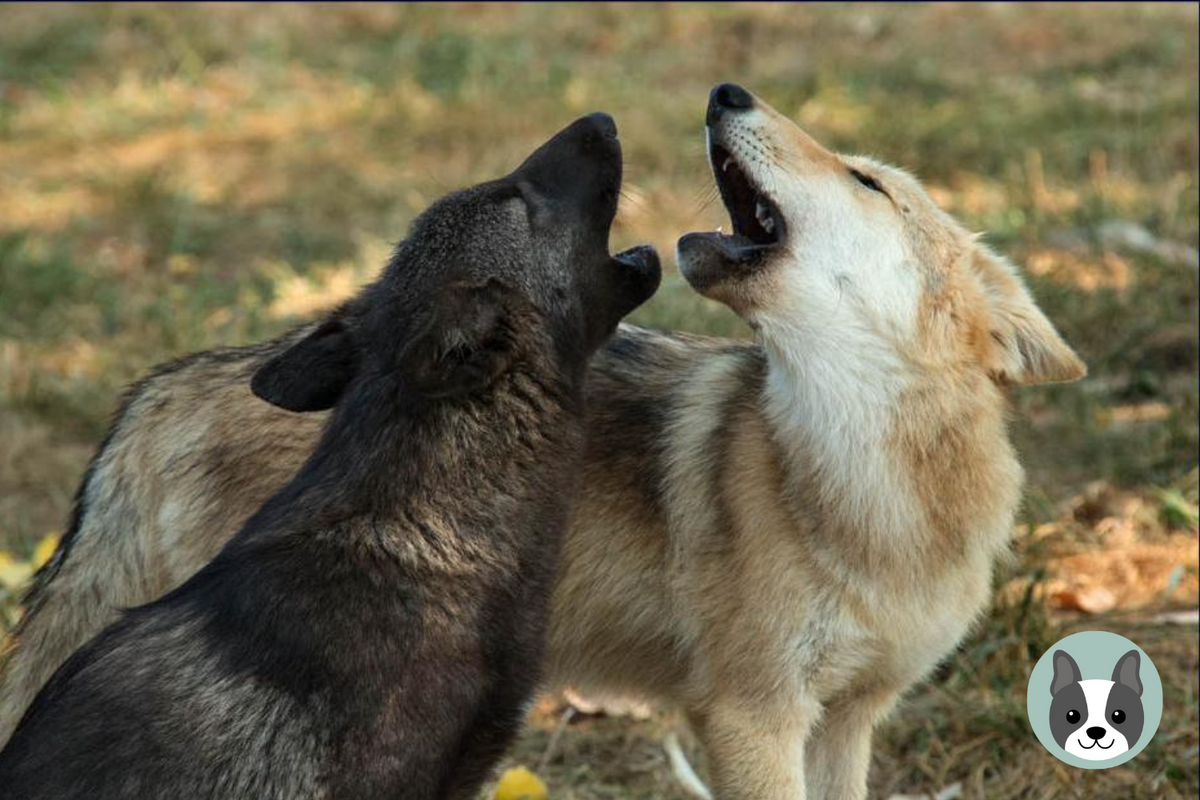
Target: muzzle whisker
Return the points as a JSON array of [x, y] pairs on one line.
[[634, 196], [704, 198]]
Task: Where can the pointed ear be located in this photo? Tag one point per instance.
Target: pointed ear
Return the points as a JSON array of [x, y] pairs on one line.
[[1066, 672], [1128, 670], [1024, 348], [466, 341], [311, 374]]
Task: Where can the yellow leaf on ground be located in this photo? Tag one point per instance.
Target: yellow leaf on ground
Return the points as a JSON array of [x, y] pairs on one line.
[[519, 783], [13, 573], [45, 549]]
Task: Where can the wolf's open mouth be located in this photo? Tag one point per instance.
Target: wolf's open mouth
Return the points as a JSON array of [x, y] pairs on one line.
[[756, 219]]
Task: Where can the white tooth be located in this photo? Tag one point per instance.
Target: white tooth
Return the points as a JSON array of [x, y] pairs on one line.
[[769, 225], [761, 212], [725, 166]]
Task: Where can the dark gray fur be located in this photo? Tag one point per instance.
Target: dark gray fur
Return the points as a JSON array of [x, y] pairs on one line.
[[375, 629], [1126, 696], [1068, 696]]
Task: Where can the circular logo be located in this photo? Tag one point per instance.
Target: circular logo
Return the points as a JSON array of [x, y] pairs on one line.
[[1094, 700]]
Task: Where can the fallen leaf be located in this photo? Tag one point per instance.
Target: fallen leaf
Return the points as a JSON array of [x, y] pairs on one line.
[[1088, 599], [44, 550], [609, 706], [520, 783]]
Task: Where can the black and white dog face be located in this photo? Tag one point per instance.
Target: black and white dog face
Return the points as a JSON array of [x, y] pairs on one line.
[[1096, 719]]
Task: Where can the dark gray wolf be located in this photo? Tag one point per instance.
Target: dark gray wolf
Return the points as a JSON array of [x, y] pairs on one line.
[[779, 536], [375, 629]]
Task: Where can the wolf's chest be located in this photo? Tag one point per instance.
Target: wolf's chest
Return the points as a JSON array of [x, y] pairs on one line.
[[883, 635]]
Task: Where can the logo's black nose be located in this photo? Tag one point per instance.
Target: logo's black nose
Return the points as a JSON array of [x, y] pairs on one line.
[[1096, 733], [727, 97]]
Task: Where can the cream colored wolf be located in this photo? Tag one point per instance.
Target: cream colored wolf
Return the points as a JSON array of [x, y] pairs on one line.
[[778, 537]]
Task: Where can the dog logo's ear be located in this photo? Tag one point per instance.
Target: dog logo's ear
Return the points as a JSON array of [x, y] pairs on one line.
[[311, 374], [1128, 671], [1066, 672], [465, 341]]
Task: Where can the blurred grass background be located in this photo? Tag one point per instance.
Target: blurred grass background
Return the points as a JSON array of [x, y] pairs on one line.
[[174, 178]]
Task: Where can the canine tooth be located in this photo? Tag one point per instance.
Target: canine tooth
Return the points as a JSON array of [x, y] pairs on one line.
[[763, 215], [725, 166]]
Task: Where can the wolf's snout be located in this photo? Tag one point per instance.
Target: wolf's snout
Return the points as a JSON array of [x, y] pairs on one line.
[[602, 124], [597, 128], [587, 140], [1095, 733], [727, 97], [575, 177]]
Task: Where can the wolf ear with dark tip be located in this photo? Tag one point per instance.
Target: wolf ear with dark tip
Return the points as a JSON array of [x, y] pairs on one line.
[[1128, 669], [311, 374], [1066, 672], [1024, 348], [465, 341]]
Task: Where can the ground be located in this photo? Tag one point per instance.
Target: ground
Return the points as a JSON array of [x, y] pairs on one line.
[[174, 179]]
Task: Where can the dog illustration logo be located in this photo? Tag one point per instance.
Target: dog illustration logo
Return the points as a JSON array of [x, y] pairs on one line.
[[1086, 719], [1096, 719]]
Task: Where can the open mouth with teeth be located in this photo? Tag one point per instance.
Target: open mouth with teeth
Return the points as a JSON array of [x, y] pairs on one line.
[[716, 263], [757, 223]]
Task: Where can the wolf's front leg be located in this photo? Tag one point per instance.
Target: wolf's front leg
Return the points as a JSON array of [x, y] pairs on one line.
[[754, 753], [838, 756]]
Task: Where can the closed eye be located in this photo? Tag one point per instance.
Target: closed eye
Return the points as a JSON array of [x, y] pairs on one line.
[[868, 181]]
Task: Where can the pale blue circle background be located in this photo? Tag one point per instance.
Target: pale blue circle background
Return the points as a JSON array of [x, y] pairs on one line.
[[1096, 653]]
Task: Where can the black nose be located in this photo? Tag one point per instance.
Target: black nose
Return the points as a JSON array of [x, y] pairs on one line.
[[602, 123], [727, 97], [1096, 733]]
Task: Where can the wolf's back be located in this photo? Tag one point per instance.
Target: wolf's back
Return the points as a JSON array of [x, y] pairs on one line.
[[190, 455]]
